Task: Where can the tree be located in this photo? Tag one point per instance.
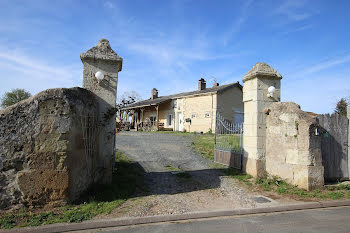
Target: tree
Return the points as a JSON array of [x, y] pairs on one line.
[[14, 96], [127, 98], [341, 107], [129, 95]]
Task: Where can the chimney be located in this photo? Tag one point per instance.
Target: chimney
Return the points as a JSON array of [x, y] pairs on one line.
[[154, 93], [201, 84], [215, 84]]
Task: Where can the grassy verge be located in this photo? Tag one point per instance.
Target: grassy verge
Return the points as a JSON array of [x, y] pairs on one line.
[[177, 133], [238, 175], [280, 186], [101, 199], [204, 144]]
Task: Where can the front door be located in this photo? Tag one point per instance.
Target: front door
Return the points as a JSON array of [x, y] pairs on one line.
[[180, 125]]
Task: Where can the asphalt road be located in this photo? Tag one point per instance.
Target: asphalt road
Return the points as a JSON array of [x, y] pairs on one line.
[[316, 220]]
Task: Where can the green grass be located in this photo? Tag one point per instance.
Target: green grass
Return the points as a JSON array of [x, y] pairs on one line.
[[171, 168], [238, 175], [204, 144], [8, 221], [229, 141], [280, 186], [177, 133], [100, 199]]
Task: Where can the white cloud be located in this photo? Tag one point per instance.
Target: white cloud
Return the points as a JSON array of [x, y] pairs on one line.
[[31, 64], [175, 54], [19, 70], [327, 64], [109, 5], [294, 9]]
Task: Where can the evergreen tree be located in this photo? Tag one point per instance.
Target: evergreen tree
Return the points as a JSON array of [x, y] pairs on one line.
[[341, 107]]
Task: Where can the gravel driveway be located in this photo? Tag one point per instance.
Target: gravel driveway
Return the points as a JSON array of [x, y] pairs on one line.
[[202, 187], [155, 151]]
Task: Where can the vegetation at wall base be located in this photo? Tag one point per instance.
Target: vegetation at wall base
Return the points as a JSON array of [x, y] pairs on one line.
[[100, 199], [275, 184], [204, 144]]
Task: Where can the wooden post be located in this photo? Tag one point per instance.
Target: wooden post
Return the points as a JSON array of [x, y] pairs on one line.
[[157, 108], [142, 109], [138, 119], [133, 119]]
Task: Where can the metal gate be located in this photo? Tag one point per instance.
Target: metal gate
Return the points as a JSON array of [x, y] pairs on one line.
[[228, 148], [334, 146]]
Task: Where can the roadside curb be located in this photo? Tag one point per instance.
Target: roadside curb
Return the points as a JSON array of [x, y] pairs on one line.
[[103, 223]]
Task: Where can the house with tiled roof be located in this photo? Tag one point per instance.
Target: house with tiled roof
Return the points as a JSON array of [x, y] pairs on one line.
[[193, 111]]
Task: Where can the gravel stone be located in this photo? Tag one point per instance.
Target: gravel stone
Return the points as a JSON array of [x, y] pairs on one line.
[[206, 189]]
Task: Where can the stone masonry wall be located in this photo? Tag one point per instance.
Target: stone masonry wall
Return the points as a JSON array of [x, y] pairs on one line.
[[293, 148], [42, 155]]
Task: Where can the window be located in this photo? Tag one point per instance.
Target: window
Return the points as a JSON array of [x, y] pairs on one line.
[[207, 115], [175, 104], [153, 119], [170, 120]]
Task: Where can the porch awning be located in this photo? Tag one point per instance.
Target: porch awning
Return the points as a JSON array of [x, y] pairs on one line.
[[147, 103]]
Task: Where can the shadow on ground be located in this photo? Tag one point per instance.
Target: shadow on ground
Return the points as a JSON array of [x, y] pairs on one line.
[[131, 180]]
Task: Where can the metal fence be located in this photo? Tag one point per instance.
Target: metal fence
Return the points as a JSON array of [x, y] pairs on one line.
[[228, 149], [90, 132], [228, 136]]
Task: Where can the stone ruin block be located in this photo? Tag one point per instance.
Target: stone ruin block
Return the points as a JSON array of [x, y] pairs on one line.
[[293, 149], [54, 145], [48, 153]]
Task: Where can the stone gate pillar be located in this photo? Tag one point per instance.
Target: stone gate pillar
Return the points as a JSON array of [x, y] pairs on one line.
[[256, 99], [100, 76]]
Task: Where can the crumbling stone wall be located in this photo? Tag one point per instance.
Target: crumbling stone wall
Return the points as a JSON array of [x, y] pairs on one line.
[[43, 159], [293, 148]]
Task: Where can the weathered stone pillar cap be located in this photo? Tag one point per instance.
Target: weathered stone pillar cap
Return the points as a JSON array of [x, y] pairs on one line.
[[102, 51], [262, 69]]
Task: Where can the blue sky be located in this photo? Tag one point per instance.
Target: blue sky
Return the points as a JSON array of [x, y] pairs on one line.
[[171, 44]]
